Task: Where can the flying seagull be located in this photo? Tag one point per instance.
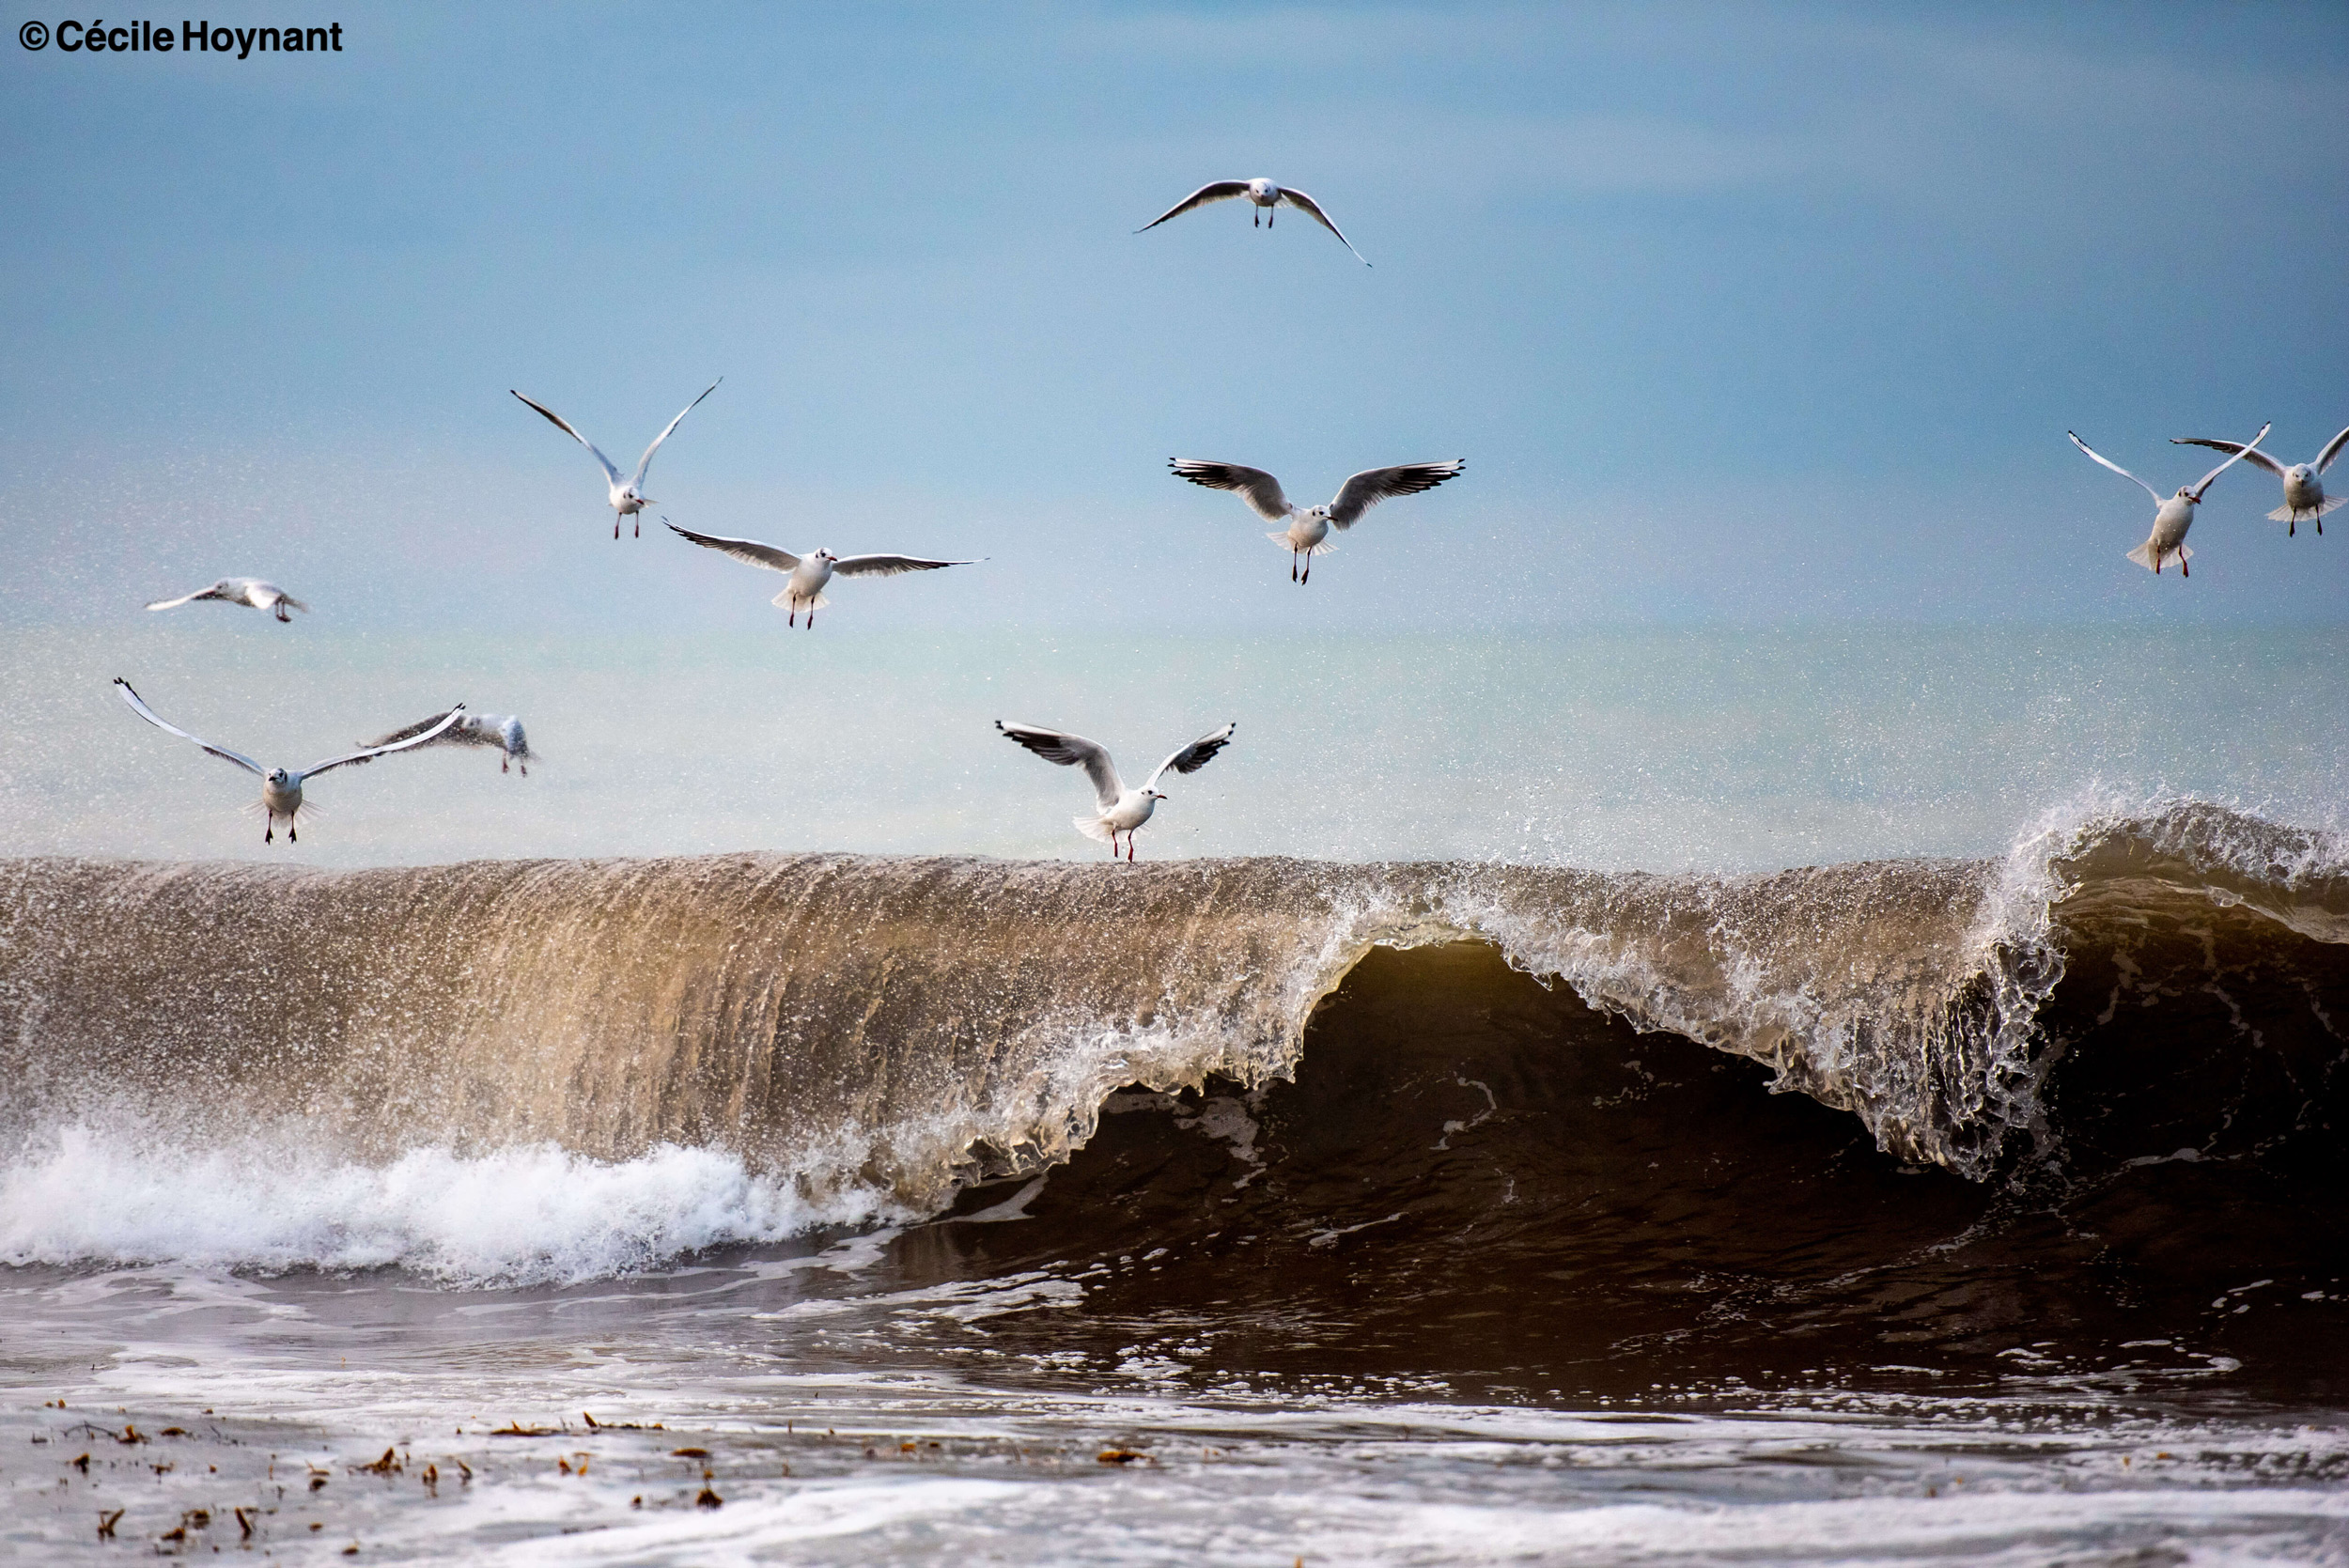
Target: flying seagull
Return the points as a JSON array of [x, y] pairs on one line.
[[281, 788], [1116, 809], [1308, 526], [2304, 500], [2173, 515], [810, 572], [1266, 198], [501, 730], [628, 495], [241, 590]]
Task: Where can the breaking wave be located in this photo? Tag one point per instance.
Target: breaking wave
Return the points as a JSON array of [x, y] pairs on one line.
[[556, 1069]]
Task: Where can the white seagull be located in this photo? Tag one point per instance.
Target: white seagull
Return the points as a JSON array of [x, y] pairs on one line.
[[241, 590], [810, 572], [1117, 809], [2173, 515], [1265, 197], [628, 495], [501, 730], [2304, 500], [1308, 526], [281, 788]]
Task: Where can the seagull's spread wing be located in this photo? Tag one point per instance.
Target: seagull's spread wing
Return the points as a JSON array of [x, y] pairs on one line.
[[473, 730], [424, 736], [1071, 750], [1219, 190], [646, 461], [2260, 459], [212, 592], [750, 550], [2159, 497], [888, 565], [1373, 485], [148, 714], [1195, 756], [1260, 490], [2332, 450], [2248, 449], [1313, 207], [611, 471]]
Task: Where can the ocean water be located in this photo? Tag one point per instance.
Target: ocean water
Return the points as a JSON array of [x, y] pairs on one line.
[[1839, 1094]]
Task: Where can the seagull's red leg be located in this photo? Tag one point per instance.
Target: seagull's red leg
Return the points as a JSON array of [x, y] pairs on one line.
[[2184, 570], [504, 764]]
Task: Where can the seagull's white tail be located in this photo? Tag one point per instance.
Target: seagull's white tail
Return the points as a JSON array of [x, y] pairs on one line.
[[1092, 827], [2281, 514], [2144, 554], [783, 601], [1326, 547]]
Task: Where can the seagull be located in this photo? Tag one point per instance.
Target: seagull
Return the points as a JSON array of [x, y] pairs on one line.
[[1266, 196], [281, 789], [1117, 809], [2174, 515], [1308, 526], [810, 572], [241, 590], [628, 498], [501, 730], [2304, 500]]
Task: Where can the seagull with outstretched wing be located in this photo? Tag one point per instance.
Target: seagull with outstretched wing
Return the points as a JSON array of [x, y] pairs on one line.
[[2173, 514], [2304, 500], [1117, 808], [1308, 527], [627, 494], [501, 730], [1264, 195], [281, 787], [249, 591], [809, 573]]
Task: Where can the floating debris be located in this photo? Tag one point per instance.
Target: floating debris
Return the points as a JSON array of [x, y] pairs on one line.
[[385, 1466], [688, 1454], [1119, 1456], [107, 1523], [516, 1429]]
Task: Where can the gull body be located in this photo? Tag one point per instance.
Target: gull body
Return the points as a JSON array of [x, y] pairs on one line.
[[241, 590], [628, 495], [1117, 807], [281, 787], [1307, 527], [2304, 500], [501, 730], [2173, 514], [807, 574], [1264, 197]]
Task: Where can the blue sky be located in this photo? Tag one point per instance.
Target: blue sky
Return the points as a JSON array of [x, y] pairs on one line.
[[1736, 312]]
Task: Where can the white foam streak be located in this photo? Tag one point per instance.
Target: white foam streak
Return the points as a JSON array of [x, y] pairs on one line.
[[531, 1213]]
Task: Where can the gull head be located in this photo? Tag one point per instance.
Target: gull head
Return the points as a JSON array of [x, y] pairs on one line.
[[1264, 192], [823, 555], [1153, 795], [2299, 474], [277, 778]]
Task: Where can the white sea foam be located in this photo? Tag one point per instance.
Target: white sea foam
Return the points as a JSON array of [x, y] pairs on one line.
[[531, 1214]]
